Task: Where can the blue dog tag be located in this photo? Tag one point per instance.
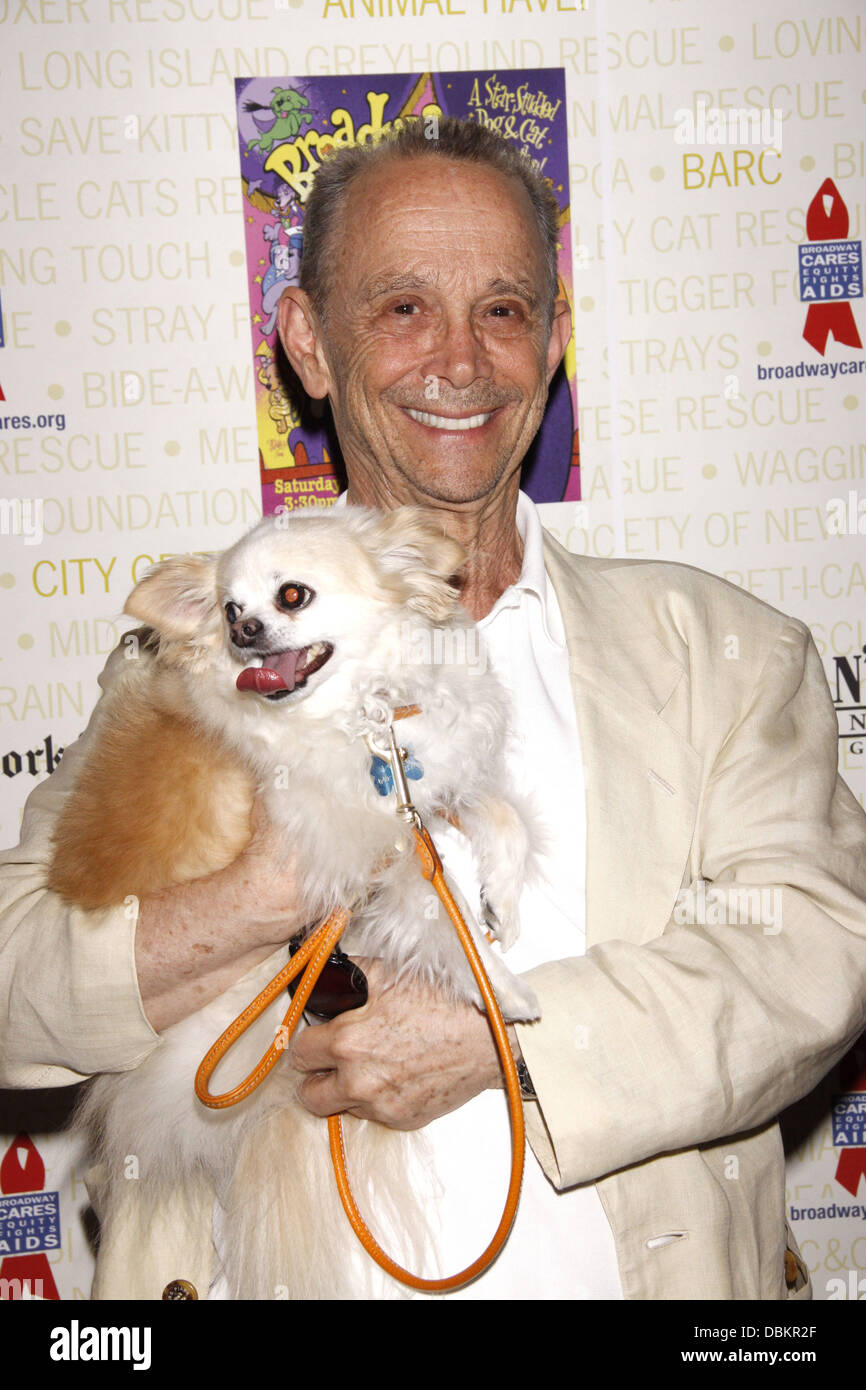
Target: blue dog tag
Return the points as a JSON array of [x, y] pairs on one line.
[[381, 774], [383, 778]]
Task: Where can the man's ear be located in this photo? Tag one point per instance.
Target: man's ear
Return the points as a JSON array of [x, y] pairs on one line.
[[300, 334], [560, 332]]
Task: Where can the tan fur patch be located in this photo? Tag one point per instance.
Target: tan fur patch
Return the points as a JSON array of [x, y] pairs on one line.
[[157, 803]]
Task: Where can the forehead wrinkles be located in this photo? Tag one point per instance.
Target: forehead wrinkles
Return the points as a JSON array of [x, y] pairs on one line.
[[426, 210]]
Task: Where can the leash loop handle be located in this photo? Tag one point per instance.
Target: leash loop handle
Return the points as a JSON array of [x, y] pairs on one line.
[[312, 955]]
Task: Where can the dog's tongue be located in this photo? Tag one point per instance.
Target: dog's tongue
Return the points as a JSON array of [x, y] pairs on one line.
[[279, 675]]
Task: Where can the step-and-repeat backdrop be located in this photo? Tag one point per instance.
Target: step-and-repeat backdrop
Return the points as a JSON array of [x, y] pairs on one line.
[[712, 178]]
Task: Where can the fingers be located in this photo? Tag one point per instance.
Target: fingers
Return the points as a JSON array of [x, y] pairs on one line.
[[317, 1048], [321, 1094], [334, 1080], [324, 1094], [403, 1060], [338, 1057], [353, 1090]]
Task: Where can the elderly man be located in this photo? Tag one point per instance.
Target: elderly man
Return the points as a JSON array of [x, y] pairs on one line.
[[677, 733]]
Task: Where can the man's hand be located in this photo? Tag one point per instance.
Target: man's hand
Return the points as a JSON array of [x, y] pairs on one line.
[[193, 941], [404, 1059]]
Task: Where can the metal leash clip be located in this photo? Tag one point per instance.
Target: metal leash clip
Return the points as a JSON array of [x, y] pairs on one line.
[[389, 751]]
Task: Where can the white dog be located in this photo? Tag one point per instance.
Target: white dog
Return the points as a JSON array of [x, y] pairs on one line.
[[262, 673]]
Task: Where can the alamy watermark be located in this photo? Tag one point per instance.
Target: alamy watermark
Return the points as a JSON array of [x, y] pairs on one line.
[[846, 517], [730, 905], [22, 516], [853, 1289], [442, 646], [745, 125], [77, 1343], [22, 1289]]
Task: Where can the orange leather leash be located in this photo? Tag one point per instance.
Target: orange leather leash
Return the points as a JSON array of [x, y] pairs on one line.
[[311, 958], [431, 868], [313, 954]]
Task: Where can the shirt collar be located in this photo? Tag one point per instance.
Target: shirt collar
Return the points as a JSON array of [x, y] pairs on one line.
[[533, 575]]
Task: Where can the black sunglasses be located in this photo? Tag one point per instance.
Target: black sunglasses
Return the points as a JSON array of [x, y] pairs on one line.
[[341, 986]]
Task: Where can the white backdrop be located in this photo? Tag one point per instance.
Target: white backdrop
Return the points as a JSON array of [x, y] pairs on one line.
[[127, 412]]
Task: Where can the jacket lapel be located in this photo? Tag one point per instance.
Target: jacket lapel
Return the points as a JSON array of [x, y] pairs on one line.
[[641, 774]]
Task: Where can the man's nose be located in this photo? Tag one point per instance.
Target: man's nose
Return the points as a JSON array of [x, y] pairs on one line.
[[460, 356], [245, 631]]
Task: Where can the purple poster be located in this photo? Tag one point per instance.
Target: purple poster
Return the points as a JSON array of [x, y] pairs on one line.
[[286, 127]]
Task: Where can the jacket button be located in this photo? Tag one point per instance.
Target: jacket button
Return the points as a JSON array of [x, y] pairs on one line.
[[179, 1289]]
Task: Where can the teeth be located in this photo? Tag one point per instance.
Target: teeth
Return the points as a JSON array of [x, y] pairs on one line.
[[443, 422], [312, 652]]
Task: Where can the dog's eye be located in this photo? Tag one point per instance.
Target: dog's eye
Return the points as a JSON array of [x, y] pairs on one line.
[[293, 596], [232, 612]]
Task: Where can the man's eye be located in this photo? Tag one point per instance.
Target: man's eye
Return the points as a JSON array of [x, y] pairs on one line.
[[506, 317], [405, 309]]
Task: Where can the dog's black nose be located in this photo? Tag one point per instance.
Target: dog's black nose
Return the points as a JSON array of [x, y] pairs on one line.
[[245, 631]]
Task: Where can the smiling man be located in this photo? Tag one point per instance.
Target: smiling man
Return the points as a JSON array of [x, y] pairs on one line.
[[429, 315], [434, 334]]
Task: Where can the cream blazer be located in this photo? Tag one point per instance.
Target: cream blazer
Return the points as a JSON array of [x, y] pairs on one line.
[[664, 1055]]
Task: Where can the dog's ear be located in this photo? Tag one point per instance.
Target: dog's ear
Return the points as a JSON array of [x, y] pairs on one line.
[[418, 561], [178, 597]]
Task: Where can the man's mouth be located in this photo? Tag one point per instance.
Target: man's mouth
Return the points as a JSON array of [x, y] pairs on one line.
[[282, 672], [448, 422]]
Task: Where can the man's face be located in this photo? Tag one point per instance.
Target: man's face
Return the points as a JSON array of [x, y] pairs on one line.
[[436, 340]]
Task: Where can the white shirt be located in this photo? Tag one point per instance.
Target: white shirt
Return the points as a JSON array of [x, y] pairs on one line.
[[561, 1245]]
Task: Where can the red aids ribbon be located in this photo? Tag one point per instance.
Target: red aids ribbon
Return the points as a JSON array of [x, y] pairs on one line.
[[851, 1168], [837, 319], [22, 1171], [852, 1162]]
